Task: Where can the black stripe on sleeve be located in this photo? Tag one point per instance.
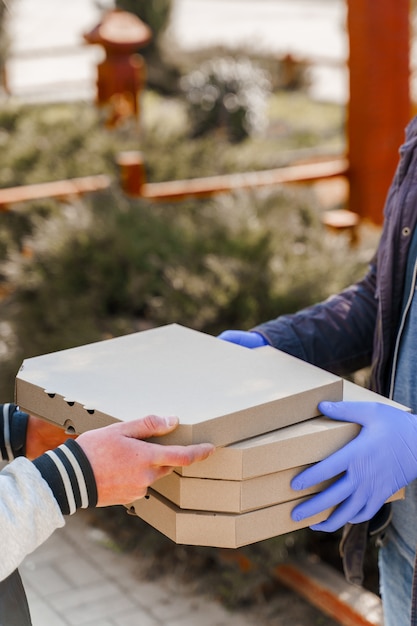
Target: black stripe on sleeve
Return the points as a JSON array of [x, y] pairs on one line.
[[69, 468], [87, 471], [50, 472], [70, 476]]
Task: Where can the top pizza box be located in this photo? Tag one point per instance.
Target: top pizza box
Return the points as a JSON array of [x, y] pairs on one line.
[[221, 392]]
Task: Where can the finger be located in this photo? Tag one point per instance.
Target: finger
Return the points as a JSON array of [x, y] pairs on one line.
[[368, 511], [358, 412], [247, 339], [179, 456], [233, 336], [352, 508], [326, 499], [146, 427], [334, 465]]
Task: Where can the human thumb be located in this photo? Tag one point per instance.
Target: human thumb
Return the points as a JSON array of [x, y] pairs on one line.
[[150, 426], [359, 412]]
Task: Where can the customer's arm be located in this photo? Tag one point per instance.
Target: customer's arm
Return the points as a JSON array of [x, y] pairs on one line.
[[106, 466], [336, 335]]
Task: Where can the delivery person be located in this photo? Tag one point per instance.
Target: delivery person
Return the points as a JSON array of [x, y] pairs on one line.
[[372, 323]]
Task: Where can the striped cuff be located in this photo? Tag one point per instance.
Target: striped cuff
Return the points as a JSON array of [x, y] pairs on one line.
[[13, 429], [70, 476]]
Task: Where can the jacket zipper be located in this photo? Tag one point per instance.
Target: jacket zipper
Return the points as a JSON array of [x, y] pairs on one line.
[[400, 331]]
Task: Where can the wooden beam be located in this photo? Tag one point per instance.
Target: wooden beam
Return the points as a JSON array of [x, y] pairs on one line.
[[133, 179], [56, 189], [340, 221], [379, 105], [327, 589]]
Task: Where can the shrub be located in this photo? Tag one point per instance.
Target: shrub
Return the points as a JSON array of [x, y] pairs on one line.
[[229, 94], [107, 266]]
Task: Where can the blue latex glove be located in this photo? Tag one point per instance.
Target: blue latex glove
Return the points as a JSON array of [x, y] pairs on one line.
[[372, 467], [248, 339]]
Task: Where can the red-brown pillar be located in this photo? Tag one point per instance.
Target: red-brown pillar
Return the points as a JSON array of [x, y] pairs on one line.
[[379, 104]]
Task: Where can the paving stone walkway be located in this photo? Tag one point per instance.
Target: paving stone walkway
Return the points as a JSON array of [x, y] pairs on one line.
[[78, 578]]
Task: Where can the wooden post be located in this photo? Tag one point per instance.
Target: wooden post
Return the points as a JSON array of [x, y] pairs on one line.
[[121, 75], [132, 173], [379, 104]]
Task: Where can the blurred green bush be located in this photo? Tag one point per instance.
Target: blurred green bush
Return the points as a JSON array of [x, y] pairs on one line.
[[105, 265], [227, 94]]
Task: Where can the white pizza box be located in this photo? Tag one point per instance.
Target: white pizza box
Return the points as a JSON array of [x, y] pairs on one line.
[[231, 496], [220, 391], [222, 530], [299, 444]]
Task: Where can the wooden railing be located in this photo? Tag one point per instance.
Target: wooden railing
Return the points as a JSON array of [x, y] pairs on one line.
[[59, 189], [133, 182], [133, 179]]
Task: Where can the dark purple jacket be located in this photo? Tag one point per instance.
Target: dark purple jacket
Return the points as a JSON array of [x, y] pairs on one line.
[[359, 327]]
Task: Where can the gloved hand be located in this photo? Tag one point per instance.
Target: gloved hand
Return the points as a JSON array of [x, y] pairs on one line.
[[368, 470], [248, 339]]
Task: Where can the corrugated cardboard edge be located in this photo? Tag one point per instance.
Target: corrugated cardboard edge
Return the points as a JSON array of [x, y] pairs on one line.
[[234, 463], [222, 530], [231, 496], [64, 412], [220, 431], [218, 530]]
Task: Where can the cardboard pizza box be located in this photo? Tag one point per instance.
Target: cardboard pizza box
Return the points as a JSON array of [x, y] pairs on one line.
[[222, 530], [231, 496], [217, 530], [220, 391], [299, 444]]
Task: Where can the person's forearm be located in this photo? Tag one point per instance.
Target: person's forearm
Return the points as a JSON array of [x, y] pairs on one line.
[[70, 477], [34, 497], [336, 335]]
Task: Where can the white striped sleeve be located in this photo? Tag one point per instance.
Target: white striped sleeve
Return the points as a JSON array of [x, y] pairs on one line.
[[70, 476]]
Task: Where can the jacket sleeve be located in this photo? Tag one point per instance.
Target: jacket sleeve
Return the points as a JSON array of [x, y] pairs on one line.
[[29, 513], [336, 335], [35, 496]]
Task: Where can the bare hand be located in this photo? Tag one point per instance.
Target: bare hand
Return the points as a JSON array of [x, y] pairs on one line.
[[124, 466]]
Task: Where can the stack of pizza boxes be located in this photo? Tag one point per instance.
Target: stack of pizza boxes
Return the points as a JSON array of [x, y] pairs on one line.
[[258, 407]]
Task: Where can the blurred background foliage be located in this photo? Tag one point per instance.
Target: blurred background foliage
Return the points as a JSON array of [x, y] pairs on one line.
[[162, 71], [104, 265], [227, 94], [156, 14]]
